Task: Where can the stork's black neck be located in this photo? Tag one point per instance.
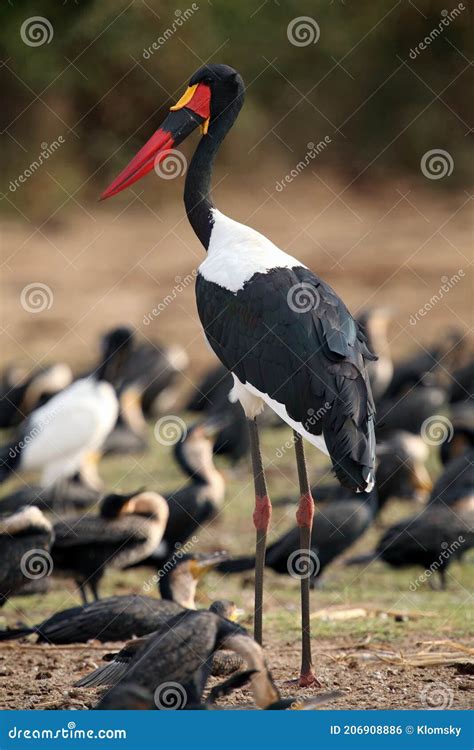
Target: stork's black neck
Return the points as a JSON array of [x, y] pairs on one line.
[[197, 191]]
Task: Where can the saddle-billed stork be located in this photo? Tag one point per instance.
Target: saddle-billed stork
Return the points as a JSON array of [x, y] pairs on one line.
[[283, 333]]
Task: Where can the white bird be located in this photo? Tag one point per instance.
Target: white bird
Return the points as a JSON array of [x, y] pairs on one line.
[[57, 438]]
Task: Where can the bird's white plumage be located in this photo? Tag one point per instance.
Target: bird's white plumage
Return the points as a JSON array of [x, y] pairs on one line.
[[24, 519], [75, 422], [237, 252], [252, 401]]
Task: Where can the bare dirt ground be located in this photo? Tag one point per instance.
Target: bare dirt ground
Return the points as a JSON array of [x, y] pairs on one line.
[[51, 671], [392, 245]]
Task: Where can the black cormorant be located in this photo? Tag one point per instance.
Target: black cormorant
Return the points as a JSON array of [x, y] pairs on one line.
[[461, 389], [408, 411], [118, 618], [456, 483], [128, 528], [224, 661], [198, 501], [460, 433], [66, 495], [175, 664], [428, 366], [25, 542], [171, 669], [431, 540]]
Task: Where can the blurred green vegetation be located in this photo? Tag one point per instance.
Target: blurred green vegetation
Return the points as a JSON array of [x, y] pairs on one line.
[[358, 84]]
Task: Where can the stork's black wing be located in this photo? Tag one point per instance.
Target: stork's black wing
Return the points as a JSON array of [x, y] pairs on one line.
[[288, 334]]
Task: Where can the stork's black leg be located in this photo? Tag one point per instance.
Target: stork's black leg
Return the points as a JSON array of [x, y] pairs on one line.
[[304, 517], [261, 520]]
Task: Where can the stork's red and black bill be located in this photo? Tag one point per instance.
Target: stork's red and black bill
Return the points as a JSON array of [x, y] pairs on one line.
[[193, 109]]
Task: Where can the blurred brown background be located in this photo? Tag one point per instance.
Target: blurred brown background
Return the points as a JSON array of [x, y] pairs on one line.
[[375, 212]]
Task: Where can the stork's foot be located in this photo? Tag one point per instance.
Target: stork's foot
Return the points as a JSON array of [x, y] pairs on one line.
[[306, 679]]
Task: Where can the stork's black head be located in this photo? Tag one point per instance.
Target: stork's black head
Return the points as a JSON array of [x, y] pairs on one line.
[[213, 99], [226, 89]]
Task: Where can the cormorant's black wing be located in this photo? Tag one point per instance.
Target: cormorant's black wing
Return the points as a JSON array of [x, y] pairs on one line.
[[115, 618], [94, 530], [438, 534], [456, 481], [180, 653]]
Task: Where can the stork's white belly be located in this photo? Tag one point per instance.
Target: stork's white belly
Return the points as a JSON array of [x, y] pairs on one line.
[[253, 401]]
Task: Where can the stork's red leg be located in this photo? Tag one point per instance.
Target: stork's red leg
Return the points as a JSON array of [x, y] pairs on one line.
[[261, 520], [304, 518]]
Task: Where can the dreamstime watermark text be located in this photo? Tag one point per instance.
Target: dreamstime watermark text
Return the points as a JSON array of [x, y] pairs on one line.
[[178, 554], [313, 418], [447, 17], [181, 16], [448, 282], [71, 732], [314, 149], [447, 551], [47, 150], [180, 285]]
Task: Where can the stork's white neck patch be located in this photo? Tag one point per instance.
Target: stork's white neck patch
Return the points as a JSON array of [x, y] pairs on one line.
[[237, 252]]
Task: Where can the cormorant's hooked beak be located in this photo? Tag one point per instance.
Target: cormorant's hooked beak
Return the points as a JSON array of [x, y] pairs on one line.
[[193, 109], [204, 563], [236, 614]]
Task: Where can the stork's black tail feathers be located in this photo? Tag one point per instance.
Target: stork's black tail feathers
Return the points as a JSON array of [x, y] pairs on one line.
[[352, 451]]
